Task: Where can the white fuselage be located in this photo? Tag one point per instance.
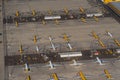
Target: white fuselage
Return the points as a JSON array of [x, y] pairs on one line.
[[51, 65], [99, 61], [53, 46], [26, 67], [109, 34], [69, 45], [37, 48]]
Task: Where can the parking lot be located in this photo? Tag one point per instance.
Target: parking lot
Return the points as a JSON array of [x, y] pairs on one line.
[[79, 34]]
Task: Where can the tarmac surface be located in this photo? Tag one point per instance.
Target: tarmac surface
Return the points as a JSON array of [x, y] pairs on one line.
[[80, 38], [79, 32], [65, 71], [43, 5]]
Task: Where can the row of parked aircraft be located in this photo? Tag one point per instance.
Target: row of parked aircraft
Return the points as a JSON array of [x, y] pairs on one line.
[[50, 12], [65, 37], [67, 40], [75, 63], [101, 43], [80, 75]]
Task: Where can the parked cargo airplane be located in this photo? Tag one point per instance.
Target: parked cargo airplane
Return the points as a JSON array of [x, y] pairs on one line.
[[66, 37], [95, 35], [28, 77], [35, 41], [99, 61], [21, 49], [107, 74], [52, 45], [75, 63], [27, 68], [54, 76], [109, 34], [80, 76], [51, 65]]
